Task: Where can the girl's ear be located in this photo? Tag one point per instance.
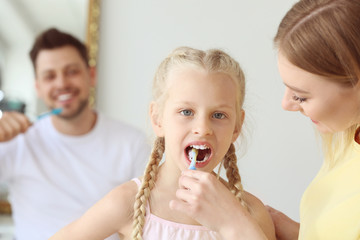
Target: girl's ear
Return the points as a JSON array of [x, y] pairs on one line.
[[238, 126], [155, 119]]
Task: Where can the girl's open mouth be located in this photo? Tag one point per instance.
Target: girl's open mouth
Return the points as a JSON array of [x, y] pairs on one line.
[[204, 153]]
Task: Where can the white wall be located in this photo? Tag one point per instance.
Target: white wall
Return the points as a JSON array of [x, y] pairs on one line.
[[283, 154]]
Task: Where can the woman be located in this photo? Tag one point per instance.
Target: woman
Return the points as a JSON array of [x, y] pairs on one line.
[[318, 44]]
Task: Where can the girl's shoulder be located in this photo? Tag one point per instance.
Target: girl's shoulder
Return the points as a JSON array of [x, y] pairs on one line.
[[120, 202], [124, 193], [111, 214], [259, 212], [122, 197]]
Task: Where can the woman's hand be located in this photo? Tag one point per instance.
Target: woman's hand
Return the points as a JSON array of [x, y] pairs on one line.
[[285, 227], [204, 198]]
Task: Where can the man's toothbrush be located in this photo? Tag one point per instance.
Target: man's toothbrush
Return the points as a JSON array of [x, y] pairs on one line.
[[193, 155], [55, 111]]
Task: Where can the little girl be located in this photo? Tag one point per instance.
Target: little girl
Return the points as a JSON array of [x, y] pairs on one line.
[[197, 104]]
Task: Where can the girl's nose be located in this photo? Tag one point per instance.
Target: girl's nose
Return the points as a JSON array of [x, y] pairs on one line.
[[202, 126], [288, 103]]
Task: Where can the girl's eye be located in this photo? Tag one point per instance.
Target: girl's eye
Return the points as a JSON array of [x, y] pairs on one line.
[[219, 115], [186, 112], [299, 99]]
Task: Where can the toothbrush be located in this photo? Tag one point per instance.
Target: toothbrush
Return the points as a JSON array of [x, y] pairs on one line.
[[55, 111], [193, 155]]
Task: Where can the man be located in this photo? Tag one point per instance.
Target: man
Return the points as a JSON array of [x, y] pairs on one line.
[[62, 164]]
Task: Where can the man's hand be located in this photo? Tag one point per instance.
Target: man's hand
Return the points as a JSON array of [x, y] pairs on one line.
[[12, 124]]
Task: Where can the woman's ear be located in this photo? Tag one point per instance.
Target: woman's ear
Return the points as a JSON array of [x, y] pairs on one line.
[[155, 119], [238, 125]]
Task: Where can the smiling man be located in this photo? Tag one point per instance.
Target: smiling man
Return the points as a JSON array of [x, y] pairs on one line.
[[59, 166]]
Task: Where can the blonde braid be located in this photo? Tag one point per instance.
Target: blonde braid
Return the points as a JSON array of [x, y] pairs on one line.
[[148, 183], [233, 176]]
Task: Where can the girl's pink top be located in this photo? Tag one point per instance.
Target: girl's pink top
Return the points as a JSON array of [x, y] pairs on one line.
[[157, 228]]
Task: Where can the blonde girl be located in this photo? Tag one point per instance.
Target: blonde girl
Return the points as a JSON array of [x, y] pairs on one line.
[[197, 103]]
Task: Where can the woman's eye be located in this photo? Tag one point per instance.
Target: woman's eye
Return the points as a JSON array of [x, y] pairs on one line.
[[186, 112], [299, 99], [219, 115]]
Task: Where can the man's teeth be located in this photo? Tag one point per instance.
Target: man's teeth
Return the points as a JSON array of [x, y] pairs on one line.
[[64, 97], [202, 147]]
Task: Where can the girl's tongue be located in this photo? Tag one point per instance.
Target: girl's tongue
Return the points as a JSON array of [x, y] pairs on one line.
[[203, 155]]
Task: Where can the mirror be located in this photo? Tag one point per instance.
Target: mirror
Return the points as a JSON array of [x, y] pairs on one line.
[[20, 22]]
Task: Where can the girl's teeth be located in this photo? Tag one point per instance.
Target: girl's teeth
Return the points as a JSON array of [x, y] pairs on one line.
[[202, 147]]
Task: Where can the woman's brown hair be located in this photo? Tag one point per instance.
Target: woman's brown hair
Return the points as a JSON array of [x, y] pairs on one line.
[[323, 37]]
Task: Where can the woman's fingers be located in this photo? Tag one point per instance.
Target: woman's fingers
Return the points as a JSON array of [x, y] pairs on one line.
[[285, 227]]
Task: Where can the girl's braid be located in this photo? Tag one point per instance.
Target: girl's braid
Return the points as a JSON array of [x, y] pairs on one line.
[[148, 183], [233, 176]]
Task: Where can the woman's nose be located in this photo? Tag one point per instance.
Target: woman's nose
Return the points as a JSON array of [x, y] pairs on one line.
[[202, 126], [288, 103]]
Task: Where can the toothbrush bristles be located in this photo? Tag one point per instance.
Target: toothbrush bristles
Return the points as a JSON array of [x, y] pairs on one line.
[[193, 155]]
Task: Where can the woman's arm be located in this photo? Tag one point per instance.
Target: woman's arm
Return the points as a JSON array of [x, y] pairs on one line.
[[208, 201], [108, 216]]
